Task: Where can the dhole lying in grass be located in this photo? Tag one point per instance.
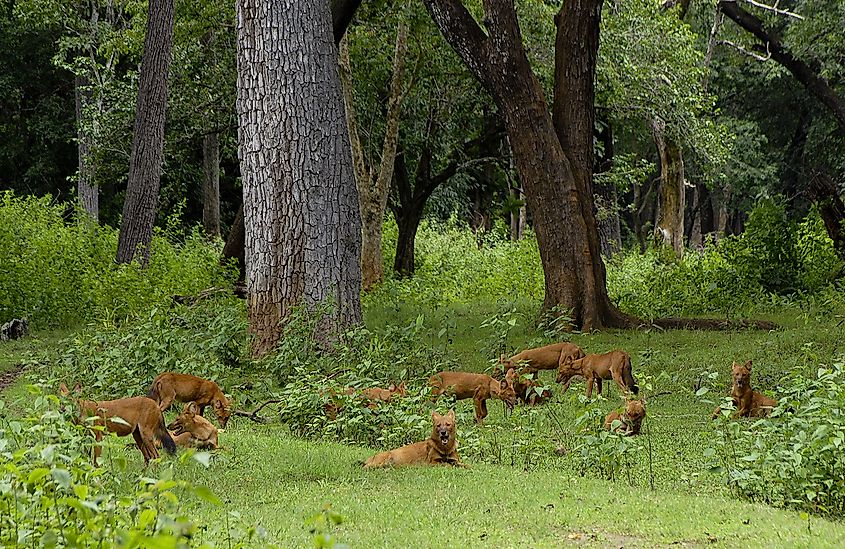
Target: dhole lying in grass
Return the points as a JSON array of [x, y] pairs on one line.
[[440, 448], [478, 387], [171, 386], [372, 396], [631, 418], [748, 402], [136, 416], [542, 358], [191, 430], [614, 365]]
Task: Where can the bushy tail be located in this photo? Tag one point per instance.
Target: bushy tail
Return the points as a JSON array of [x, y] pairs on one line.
[[629, 377], [164, 436]]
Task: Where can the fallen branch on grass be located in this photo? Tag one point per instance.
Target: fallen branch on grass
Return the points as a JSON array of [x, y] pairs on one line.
[[254, 414]]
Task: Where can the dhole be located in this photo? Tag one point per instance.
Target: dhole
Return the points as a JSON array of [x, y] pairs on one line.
[[193, 430], [631, 418], [440, 448], [542, 358], [614, 365], [525, 388], [478, 387], [171, 386], [748, 403], [140, 417], [372, 395]]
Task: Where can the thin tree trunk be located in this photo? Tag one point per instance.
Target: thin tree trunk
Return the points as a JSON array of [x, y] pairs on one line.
[[141, 204], [696, 239], [87, 190], [407, 225], [669, 226], [301, 217], [373, 188], [211, 184], [719, 200]]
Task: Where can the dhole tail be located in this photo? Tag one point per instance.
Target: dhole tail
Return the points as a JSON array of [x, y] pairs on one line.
[[164, 436], [629, 377]]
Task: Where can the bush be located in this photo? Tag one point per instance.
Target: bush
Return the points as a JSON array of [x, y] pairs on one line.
[[795, 458], [61, 273], [52, 495]]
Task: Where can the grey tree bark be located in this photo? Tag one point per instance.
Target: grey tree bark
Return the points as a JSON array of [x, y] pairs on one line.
[[211, 184], [88, 193], [141, 204], [374, 185], [669, 225], [301, 218]]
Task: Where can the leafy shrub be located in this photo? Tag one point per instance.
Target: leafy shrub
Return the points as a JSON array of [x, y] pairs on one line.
[[795, 458], [51, 495], [207, 339], [61, 273]]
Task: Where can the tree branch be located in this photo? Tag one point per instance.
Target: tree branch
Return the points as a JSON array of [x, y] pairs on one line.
[[463, 33]]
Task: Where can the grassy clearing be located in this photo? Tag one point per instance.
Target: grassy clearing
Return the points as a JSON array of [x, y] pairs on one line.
[[519, 492]]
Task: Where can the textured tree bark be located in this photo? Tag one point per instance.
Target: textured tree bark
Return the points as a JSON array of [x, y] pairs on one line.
[[211, 184], [342, 13], [87, 190], [696, 238], [301, 217], [555, 167], [373, 188], [141, 204], [825, 193], [669, 226]]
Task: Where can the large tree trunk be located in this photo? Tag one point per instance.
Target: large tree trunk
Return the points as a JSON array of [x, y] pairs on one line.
[[301, 217], [211, 184], [87, 189], [141, 204], [555, 167], [342, 13], [373, 188], [669, 226]]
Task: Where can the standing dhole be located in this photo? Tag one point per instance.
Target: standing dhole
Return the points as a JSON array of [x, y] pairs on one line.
[[136, 416], [478, 387], [171, 386], [614, 365]]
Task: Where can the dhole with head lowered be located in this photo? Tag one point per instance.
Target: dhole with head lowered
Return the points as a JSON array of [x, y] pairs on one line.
[[440, 448], [631, 418], [542, 358], [749, 403], [614, 365], [193, 430], [171, 386], [478, 387], [136, 416]]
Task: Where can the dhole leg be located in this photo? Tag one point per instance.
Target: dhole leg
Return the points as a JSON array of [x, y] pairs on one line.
[[599, 384], [98, 449], [617, 377], [480, 410], [590, 380]]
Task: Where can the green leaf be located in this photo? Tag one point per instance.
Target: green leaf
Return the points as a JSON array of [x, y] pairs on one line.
[[206, 494]]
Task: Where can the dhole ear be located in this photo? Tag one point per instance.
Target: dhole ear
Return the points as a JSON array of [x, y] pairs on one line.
[[77, 388], [191, 408], [218, 404], [748, 364], [63, 390], [451, 415], [435, 417]]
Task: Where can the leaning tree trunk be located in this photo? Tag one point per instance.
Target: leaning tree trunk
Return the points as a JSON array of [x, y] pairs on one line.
[[211, 184], [669, 226], [555, 167], [301, 217], [87, 190], [141, 204]]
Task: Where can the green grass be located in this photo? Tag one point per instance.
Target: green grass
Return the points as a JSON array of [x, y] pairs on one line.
[[16, 351], [518, 492]]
